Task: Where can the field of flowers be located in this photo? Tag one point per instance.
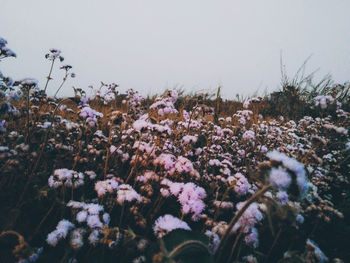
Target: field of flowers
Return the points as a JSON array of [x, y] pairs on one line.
[[121, 178]]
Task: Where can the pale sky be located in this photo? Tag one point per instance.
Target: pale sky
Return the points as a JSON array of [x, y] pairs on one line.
[[151, 45]]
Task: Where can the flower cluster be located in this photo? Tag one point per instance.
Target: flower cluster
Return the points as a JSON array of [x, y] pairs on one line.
[[61, 232], [244, 180], [90, 115], [168, 223], [5, 51], [247, 222], [280, 178], [53, 54], [66, 177], [323, 101], [165, 105]]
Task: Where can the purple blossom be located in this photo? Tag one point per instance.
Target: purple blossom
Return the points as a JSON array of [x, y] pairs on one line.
[[249, 135], [90, 115]]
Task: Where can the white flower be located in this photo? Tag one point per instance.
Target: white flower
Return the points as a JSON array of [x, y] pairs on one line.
[[167, 223], [77, 238], [127, 193], [94, 237], [94, 221], [61, 232], [280, 178], [82, 216], [107, 186]]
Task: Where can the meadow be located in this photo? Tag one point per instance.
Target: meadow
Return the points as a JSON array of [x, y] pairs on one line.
[[109, 177]]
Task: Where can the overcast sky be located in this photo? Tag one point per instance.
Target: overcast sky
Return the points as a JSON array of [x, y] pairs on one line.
[[151, 45]]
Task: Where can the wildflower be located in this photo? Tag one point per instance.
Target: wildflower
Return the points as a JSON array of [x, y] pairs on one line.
[[250, 217], [189, 138], [90, 115], [241, 152], [112, 149], [241, 184], [77, 238], [29, 82], [323, 101], [249, 135], [66, 177], [191, 199], [165, 105], [106, 218], [176, 188], [214, 241], [3, 42], [167, 223], [223, 204], [166, 160], [61, 232], [82, 216], [90, 214], [66, 67], [94, 237], [252, 238], [127, 193], [280, 178], [53, 54], [282, 196], [5, 51], [182, 165], [92, 175], [94, 221], [214, 162], [106, 186], [92, 208]]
